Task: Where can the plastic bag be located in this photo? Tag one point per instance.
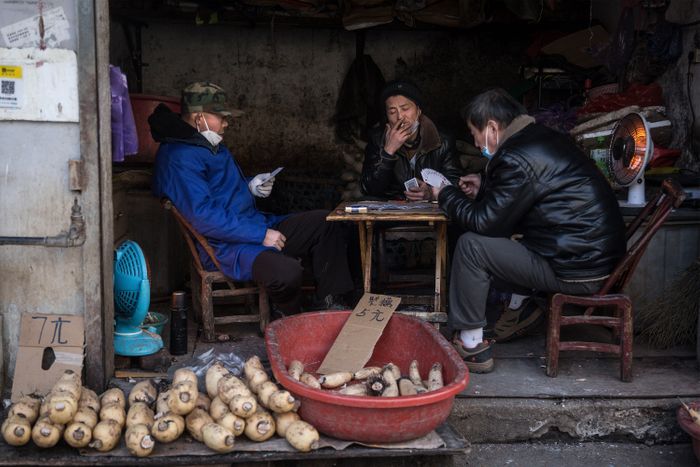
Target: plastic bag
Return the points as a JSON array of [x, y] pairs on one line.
[[124, 137], [636, 94], [201, 363]]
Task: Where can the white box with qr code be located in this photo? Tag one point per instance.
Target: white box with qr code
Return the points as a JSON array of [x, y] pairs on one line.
[[39, 85]]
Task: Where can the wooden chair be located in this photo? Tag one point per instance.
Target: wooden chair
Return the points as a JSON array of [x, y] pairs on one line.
[[203, 282], [610, 295]]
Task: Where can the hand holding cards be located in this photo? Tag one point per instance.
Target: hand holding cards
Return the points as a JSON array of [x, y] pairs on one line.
[[261, 184], [272, 174], [411, 184], [434, 178]]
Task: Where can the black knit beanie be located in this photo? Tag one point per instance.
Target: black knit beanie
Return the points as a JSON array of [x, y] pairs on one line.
[[402, 88]]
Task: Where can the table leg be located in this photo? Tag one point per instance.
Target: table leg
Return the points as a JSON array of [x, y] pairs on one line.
[[445, 265], [440, 266], [438, 270], [368, 256], [363, 243]]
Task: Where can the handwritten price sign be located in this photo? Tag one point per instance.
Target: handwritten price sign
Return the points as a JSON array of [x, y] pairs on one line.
[[354, 345], [52, 330]]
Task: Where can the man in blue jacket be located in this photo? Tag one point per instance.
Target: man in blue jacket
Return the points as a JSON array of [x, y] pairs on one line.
[[202, 179]]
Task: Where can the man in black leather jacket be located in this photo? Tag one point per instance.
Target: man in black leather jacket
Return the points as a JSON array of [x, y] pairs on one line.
[[407, 144], [539, 186]]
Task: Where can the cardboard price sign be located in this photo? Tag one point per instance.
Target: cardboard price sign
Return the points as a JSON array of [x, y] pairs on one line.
[[354, 345], [48, 345], [52, 330]]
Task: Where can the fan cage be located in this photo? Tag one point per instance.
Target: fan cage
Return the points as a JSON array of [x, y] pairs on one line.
[[131, 267], [125, 301], [631, 126]]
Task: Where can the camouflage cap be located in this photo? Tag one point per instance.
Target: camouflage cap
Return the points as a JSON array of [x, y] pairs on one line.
[[206, 97]]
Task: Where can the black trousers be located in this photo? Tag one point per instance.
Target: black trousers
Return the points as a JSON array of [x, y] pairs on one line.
[[324, 243], [479, 261]]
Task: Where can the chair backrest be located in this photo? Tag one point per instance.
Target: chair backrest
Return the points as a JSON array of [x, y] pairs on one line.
[[654, 214], [192, 236]]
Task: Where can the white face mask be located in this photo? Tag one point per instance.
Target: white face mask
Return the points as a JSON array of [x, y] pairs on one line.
[[211, 136], [414, 127]]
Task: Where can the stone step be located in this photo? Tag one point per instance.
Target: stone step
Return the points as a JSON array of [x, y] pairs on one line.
[[504, 420], [538, 454], [587, 401]]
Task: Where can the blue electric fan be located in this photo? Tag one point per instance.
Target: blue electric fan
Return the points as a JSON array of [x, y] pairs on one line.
[[132, 297]]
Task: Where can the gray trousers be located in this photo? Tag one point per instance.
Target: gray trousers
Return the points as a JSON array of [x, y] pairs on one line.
[[479, 259]]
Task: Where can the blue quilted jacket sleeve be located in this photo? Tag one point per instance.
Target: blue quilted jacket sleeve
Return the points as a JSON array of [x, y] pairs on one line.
[[214, 197]]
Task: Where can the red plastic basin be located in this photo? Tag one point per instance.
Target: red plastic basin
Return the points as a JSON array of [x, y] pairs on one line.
[[309, 336], [689, 426]]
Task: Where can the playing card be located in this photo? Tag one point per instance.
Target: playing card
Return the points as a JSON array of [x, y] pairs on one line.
[[272, 174], [411, 184], [434, 178]]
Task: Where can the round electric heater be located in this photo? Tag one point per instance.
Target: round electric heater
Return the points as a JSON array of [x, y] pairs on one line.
[[630, 149], [132, 297]]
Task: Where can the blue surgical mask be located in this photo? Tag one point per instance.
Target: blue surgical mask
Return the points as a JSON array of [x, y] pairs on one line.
[[485, 150]]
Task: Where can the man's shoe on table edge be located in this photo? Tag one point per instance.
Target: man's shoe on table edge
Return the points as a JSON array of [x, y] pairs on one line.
[[479, 359]]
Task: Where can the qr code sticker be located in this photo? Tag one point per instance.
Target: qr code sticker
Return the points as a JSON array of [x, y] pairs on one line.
[[8, 87]]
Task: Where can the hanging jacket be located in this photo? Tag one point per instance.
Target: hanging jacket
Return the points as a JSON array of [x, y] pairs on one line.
[[383, 174], [208, 187], [356, 110], [540, 185]]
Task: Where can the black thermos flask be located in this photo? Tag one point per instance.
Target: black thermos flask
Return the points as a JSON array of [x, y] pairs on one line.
[[178, 324]]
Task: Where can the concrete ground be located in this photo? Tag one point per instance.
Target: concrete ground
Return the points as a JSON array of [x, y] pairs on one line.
[[536, 454], [585, 417], [586, 402]]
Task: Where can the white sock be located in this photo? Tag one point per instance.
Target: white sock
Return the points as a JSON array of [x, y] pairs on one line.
[[471, 337], [516, 300]]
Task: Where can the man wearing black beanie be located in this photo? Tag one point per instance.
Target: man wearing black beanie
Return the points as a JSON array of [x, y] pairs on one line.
[[407, 144]]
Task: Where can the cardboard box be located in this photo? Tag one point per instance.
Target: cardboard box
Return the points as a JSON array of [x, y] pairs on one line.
[[48, 345], [354, 345]]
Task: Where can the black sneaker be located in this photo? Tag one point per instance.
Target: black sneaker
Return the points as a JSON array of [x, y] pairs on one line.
[[479, 359], [519, 321]]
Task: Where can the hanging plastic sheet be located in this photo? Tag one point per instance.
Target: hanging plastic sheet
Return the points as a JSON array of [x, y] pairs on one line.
[[622, 43], [124, 138]]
